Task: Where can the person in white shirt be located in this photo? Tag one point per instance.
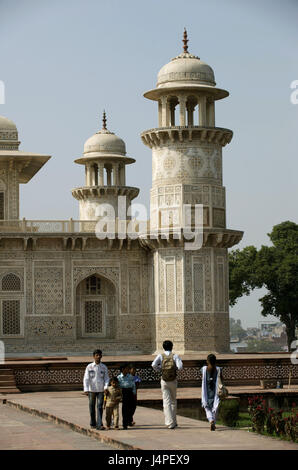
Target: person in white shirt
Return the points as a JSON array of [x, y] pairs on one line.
[[96, 381], [168, 363]]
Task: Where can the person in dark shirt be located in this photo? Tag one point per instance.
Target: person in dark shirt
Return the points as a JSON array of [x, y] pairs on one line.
[[137, 380]]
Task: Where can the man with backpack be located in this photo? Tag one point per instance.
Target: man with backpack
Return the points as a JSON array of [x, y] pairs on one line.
[[168, 363]]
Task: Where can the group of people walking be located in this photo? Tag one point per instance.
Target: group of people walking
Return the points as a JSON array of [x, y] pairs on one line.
[[109, 392]]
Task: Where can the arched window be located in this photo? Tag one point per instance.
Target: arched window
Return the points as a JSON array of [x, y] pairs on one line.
[[11, 282], [96, 307], [93, 285]]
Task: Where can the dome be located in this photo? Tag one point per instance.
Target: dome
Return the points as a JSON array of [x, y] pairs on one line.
[[105, 142], [7, 124], [8, 134], [187, 69]]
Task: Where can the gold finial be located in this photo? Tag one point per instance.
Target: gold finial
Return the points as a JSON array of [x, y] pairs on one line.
[[185, 41], [104, 121]]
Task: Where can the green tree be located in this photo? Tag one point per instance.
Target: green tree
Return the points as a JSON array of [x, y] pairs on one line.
[[273, 267]]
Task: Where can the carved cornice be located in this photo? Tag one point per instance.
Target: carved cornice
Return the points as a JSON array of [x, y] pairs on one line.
[[211, 238], [71, 242], [76, 234], [162, 135], [86, 192]]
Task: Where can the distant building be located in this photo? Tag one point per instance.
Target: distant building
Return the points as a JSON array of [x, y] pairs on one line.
[[253, 332], [238, 346], [271, 329]]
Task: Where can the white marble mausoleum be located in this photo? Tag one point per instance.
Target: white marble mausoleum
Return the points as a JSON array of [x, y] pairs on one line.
[[63, 290]]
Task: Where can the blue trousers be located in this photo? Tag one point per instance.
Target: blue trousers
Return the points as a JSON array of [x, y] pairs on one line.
[[93, 397]]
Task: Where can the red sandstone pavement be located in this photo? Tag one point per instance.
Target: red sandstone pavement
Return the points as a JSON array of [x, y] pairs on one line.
[[71, 410], [22, 431]]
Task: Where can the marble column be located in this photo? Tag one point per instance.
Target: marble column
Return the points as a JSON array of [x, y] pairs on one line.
[[211, 112], [115, 174], [159, 113], [190, 110], [164, 100], [100, 174], [202, 111], [88, 175], [182, 110]]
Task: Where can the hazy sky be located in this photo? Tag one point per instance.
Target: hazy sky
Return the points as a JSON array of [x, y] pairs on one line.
[[64, 61]]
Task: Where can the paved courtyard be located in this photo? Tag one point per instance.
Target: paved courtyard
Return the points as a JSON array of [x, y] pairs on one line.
[[69, 410], [22, 431]]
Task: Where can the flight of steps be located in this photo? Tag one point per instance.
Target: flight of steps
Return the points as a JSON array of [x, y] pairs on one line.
[[8, 382]]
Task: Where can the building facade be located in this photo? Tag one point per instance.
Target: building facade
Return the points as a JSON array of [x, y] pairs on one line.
[[66, 290]]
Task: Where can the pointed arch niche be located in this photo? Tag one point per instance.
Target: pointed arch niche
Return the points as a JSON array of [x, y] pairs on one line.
[[96, 307]]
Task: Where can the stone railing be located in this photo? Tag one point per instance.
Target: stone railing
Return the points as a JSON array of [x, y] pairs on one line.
[[66, 375], [56, 226], [47, 226]]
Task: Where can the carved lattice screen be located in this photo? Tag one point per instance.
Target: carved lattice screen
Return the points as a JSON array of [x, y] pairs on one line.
[[93, 316], [11, 282], [11, 317]]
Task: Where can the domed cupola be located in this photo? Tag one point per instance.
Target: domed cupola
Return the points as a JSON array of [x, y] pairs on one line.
[[186, 83], [105, 160], [104, 142], [186, 69], [8, 134]]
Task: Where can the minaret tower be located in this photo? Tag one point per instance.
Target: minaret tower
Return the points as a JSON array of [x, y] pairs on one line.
[[191, 285], [105, 161]]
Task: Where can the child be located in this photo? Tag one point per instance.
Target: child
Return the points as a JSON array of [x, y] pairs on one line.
[[128, 386], [137, 380], [113, 398]]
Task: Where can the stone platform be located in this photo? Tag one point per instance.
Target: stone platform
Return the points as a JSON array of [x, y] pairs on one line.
[[70, 410]]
